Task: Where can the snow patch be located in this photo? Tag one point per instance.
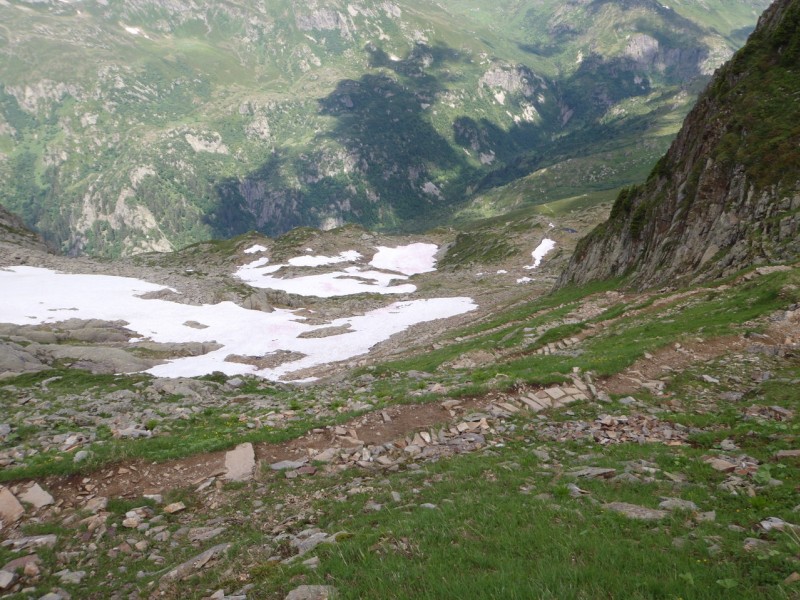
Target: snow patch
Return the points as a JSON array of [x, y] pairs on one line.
[[35, 295], [545, 246], [254, 249], [321, 261], [347, 282], [409, 260]]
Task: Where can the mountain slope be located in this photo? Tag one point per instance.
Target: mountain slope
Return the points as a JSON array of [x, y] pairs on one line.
[[727, 194], [146, 125]]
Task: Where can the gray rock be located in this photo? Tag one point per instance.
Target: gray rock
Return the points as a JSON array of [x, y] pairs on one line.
[[14, 359], [81, 455], [98, 359], [71, 577], [10, 509], [134, 432], [309, 543], [288, 464], [677, 504], [240, 463], [192, 565], [312, 592], [592, 473], [37, 496], [203, 534], [752, 544], [541, 454], [35, 541], [633, 511], [7, 579]]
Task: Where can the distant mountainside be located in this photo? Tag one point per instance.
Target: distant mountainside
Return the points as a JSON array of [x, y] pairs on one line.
[[149, 124], [727, 194]]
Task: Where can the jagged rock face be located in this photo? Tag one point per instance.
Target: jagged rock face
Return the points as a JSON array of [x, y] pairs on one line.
[[727, 194]]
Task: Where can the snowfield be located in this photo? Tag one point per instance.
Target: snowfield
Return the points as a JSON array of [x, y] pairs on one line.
[[34, 296], [408, 260], [389, 266]]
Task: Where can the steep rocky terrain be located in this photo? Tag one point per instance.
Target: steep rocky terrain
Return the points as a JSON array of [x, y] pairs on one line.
[[128, 127], [16, 236], [727, 194]]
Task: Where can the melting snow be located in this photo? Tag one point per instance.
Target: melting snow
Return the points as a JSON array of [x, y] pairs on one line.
[[543, 248], [254, 249], [409, 260], [324, 285], [524, 280], [45, 296], [320, 261]]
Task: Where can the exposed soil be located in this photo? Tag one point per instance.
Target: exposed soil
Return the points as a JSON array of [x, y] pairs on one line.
[[136, 478]]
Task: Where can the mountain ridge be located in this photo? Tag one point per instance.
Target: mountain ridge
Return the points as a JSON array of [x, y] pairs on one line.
[[727, 193]]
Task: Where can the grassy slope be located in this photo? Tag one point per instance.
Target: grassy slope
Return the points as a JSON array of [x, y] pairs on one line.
[[505, 524]]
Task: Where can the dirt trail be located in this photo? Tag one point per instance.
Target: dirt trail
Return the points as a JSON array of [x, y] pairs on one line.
[[136, 478]]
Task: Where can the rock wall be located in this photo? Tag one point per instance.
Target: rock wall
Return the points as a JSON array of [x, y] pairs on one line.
[[727, 193]]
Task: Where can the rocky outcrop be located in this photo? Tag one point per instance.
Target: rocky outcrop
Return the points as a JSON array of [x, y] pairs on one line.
[[15, 234], [727, 193]]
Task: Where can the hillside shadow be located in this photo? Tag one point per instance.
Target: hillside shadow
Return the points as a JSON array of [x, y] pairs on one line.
[[398, 167]]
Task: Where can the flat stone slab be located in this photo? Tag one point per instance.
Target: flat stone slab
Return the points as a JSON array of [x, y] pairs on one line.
[[37, 496], [787, 454], [10, 509], [288, 464], [33, 542], [593, 473], [312, 592], [677, 504], [535, 405], [555, 393], [240, 463], [633, 511], [191, 566], [722, 465]]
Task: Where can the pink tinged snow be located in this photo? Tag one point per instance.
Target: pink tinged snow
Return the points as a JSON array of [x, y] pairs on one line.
[[34, 296], [538, 254], [409, 260]]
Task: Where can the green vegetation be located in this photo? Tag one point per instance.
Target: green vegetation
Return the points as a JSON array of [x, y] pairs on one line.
[[172, 127]]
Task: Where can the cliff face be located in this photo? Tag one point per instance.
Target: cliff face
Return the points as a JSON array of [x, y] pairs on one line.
[[727, 193], [15, 235]]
